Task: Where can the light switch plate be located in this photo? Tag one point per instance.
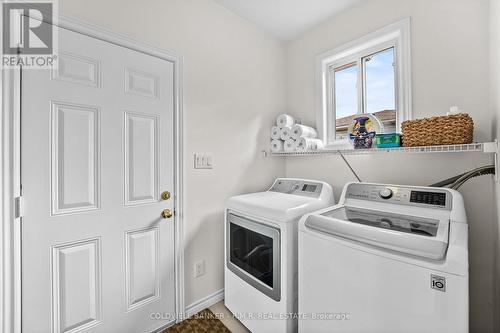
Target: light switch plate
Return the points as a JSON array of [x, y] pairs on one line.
[[203, 161]]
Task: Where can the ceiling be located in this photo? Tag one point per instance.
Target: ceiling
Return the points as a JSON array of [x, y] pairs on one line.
[[286, 19]]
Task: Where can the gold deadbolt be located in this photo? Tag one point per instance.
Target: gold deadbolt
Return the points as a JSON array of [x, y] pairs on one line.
[[166, 213], [165, 195]]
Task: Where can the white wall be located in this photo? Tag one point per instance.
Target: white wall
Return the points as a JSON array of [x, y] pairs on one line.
[[450, 66], [495, 110], [233, 88]]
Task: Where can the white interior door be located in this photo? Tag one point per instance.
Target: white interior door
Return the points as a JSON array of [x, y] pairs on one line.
[[97, 152]]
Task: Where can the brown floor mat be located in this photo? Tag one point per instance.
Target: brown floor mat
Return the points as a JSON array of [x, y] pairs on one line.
[[202, 322]]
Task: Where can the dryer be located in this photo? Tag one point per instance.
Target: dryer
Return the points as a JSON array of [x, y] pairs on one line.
[[260, 270], [387, 258]]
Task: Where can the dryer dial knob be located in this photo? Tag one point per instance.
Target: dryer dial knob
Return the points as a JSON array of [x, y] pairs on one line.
[[385, 193]]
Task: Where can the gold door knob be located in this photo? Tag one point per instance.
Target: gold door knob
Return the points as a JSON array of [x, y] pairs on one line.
[[165, 195], [166, 213]]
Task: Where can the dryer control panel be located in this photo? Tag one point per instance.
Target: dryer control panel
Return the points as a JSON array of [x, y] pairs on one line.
[[403, 195], [297, 187]]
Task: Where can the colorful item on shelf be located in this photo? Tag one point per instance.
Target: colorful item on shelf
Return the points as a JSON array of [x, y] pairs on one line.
[[372, 125], [363, 131], [389, 140]]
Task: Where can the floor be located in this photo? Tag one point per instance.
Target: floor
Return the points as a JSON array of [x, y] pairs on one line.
[[204, 321], [227, 318], [216, 319]]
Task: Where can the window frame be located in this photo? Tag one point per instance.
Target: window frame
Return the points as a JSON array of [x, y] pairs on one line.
[[333, 68], [396, 35]]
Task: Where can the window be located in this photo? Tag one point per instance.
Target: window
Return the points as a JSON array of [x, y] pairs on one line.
[[369, 75], [376, 94]]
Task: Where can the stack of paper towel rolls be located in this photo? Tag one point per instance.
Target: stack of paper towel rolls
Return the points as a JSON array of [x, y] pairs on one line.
[[290, 135]]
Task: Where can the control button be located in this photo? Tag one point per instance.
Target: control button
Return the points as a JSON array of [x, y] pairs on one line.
[[385, 193], [385, 225], [295, 187]]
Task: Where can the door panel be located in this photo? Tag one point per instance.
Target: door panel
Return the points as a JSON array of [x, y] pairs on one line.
[[143, 284], [76, 290], [77, 69], [141, 158], [144, 84], [75, 157], [97, 149]]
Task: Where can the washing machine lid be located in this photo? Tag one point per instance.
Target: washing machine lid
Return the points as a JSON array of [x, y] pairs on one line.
[[276, 206], [424, 237]]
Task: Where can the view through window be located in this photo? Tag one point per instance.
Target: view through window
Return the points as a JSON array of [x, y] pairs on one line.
[[370, 91]]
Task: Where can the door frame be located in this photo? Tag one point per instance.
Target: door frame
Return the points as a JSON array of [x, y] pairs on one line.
[[10, 173]]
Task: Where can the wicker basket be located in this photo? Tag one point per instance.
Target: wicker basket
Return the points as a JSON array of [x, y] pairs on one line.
[[445, 130]]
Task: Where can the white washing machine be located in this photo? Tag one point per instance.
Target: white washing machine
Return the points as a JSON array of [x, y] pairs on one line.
[[386, 258], [260, 270]]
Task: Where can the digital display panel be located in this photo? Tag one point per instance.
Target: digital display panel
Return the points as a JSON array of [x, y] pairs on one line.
[[309, 188], [430, 198]]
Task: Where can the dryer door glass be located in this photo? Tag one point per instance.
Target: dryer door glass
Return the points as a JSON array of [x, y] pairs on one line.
[[253, 253]]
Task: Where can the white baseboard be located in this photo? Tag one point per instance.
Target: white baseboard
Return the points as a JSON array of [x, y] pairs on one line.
[[204, 303]]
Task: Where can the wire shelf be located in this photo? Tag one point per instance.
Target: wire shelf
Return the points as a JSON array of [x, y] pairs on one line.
[[482, 147]]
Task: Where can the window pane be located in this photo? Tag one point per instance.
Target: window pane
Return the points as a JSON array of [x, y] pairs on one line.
[[346, 93], [380, 83], [346, 97]]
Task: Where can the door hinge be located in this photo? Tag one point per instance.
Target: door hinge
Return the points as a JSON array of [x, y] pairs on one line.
[[19, 207]]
